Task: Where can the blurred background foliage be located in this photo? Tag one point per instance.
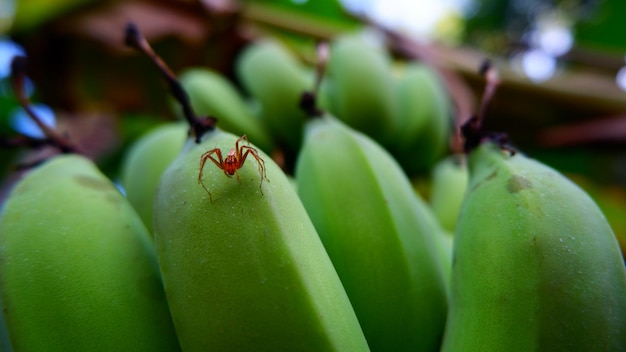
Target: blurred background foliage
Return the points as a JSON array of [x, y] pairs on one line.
[[561, 63]]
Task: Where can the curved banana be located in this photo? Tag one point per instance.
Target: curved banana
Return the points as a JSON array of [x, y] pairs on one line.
[[273, 76], [211, 94], [449, 179], [424, 126], [360, 87], [244, 268], [536, 265], [79, 272], [378, 233], [144, 163]]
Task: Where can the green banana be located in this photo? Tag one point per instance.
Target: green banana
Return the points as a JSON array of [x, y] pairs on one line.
[[144, 163], [360, 87], [273, 76], [211, 94], [449, 179], [536, 265], [444, 243], [243, 267], [378, 233], [79, 272], [424, 126]]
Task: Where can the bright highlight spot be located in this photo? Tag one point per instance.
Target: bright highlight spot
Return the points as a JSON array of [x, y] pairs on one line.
[[120, 187], [22, 123], [8, 50], [555, 40], [620, 78], [537, 65], [357, 6], [416, 17]]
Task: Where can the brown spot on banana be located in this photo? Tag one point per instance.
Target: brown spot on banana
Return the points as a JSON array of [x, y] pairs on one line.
[[517, 183]]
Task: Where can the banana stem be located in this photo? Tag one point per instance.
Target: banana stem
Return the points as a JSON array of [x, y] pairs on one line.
[[492, 81], [323, 54], [472, 130], [308, 101], [52, 137], [198, 126]]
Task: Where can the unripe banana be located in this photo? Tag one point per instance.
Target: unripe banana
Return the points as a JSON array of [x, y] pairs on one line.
[[378, 233], [79, 272], [244, 268], [444, 243], [360, 86], [274, 77], [211, 94], [449, 180], [536, 265], [144, 163], [424, 119]]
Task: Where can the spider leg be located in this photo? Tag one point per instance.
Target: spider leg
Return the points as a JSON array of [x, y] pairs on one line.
[[209, 156], [240, 156], [239, 150], [259, 160], [242, 138]]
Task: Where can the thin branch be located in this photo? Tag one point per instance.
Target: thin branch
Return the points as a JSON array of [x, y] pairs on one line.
[[21, 141], [323, 55], [199, 126], [18, 78], [472, 130], [491, 84]]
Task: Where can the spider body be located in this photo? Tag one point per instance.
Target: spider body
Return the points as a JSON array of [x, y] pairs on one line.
[[231, 164], [234, 161]]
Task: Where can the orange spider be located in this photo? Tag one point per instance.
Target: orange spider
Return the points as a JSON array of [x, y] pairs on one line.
[[234, 161]]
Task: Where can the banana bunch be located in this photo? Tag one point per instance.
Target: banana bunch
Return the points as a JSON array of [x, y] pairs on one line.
[[402, 105], [275, 79], [79, 271], [378, 233], [422, 134], [536, 265], [243, 266], [360, 87], [219, 247]]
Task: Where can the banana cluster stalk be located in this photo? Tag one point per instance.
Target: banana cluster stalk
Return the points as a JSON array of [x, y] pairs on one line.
[[79, 271], [536, 265], [244, 268], [378, 233]]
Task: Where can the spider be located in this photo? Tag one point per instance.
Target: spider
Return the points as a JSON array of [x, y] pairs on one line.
[[234, 161]]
